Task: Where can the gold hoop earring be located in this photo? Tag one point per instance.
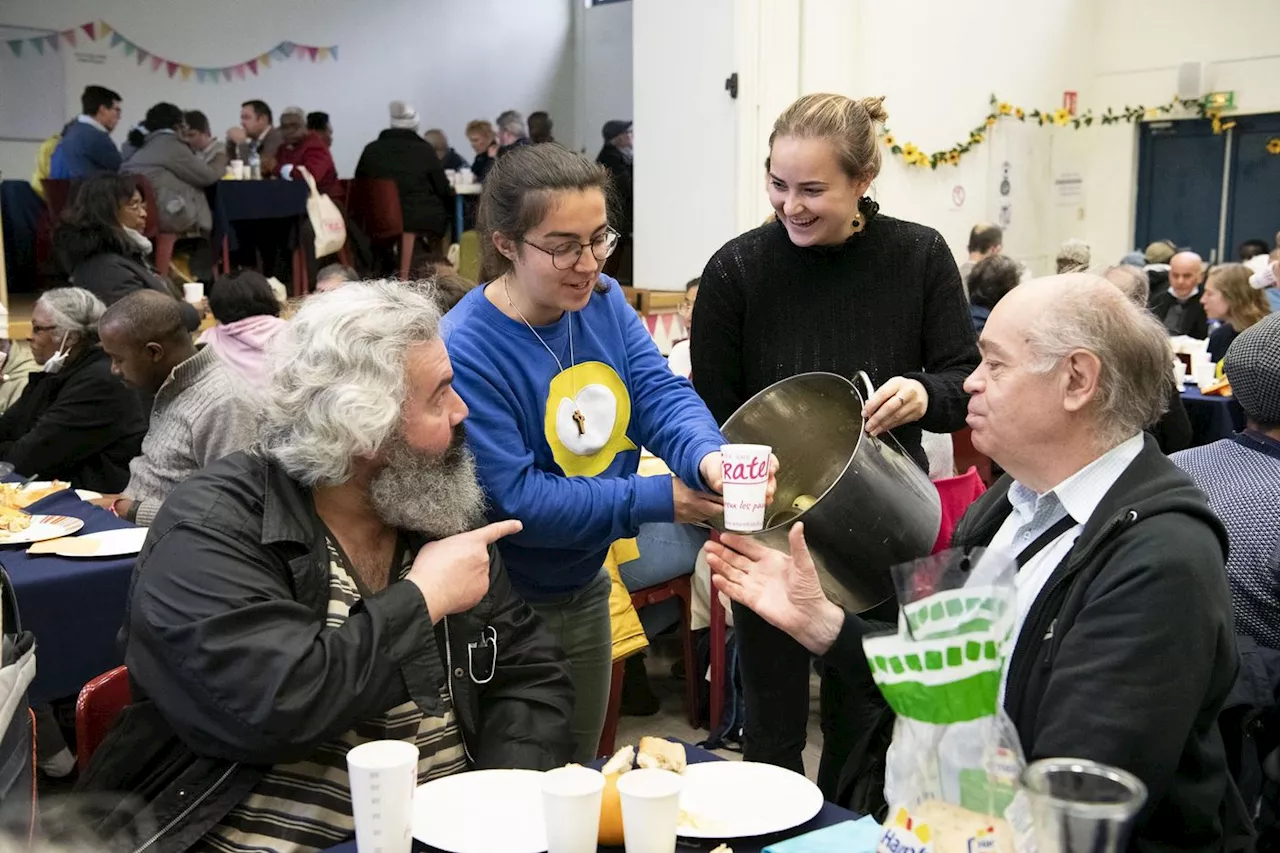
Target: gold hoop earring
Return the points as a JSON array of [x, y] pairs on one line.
[[859, 222]]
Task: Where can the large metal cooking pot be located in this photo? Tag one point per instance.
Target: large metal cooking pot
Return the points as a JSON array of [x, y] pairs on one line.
[[865, 504]]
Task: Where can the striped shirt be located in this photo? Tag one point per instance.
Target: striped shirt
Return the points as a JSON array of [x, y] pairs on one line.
[[306, 806]]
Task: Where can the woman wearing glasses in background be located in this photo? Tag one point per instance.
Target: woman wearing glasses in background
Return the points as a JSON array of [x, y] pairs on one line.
[[564, 386]]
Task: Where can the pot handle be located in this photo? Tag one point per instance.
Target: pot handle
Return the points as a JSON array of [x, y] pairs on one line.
[[861, 376]]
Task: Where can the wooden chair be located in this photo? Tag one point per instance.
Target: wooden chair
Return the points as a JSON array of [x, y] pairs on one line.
[[374, 206], [677, 588], [100, 702]]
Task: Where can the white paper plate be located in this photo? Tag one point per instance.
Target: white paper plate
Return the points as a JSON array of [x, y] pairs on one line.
[[43, 527], [741, 799], [494, 811], [109, 543]]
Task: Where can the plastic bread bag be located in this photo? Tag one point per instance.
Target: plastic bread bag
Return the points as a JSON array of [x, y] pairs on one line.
[[951, 777]]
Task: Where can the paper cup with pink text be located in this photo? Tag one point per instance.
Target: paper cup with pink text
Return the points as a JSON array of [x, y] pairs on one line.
[[746, 480]]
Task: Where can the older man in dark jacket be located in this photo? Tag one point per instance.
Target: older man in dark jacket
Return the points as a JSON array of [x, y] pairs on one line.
[[1123, 645], [331, 588]]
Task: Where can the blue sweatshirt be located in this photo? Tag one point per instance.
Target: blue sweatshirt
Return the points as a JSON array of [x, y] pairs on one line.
[[569, 471], [84, 151]]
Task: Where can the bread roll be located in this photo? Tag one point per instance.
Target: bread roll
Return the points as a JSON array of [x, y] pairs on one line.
[[660, 754]]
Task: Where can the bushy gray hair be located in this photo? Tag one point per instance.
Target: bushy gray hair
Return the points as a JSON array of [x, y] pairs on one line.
[[512, 122], [338, 376], [1132, 281], [75, 310], [1073, 256], [1135, 380]]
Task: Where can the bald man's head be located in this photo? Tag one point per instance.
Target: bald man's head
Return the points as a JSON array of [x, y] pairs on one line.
[[1186, 270], [146, 338]]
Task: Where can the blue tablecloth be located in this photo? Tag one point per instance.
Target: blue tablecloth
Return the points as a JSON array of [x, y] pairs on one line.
[[237, 201], [829, 816], [1213, 417], [74, 606]]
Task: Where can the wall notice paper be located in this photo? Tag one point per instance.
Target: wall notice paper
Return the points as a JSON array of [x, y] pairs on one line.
[[1068, 189]]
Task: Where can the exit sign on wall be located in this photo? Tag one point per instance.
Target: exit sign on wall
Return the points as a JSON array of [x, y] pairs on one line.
[[1220, 100]]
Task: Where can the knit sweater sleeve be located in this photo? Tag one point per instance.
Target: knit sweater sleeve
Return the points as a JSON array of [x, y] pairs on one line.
[[715, 344], [950, 347]]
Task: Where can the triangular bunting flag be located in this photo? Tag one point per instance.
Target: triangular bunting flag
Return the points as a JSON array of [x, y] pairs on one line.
[[128, 45], [324, 54], [253, 66], [16, 46], [117, 40], [38, 44], [52, 41], [286, 49], [70, 36], [142, 55], [240, 71], [171, 66], [265, 59], [226, 73], [199, 75], [314, 51], [104, 29], [186, 72], [156, 62], [333, 51], [88, 30]]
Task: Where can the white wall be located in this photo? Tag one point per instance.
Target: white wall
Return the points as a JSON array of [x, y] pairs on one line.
[[454, 60], [604, 72]]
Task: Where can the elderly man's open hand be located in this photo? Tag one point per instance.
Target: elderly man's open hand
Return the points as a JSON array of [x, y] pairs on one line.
[[783, 590]]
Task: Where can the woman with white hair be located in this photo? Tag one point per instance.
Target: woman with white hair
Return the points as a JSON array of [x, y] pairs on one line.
[[75, 421]]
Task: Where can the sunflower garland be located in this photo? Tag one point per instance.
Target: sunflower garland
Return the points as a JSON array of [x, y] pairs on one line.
[[911, 154]]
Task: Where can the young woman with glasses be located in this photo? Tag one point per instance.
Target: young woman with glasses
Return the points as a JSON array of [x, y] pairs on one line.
[[564, 386]]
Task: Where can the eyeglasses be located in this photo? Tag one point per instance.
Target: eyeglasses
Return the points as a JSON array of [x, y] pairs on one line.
[[565, 256], [36, 328], [136, 204]]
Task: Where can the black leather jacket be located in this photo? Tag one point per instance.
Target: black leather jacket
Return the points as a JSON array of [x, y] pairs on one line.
[[233, 670]]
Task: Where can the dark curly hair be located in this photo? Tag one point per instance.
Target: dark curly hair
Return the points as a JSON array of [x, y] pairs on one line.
[[991, 278], [241, 294]]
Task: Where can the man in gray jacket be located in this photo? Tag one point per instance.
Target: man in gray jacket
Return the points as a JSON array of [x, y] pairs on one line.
[[201, 413]]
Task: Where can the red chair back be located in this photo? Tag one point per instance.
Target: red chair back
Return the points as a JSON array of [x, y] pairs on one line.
[[956, 494], [100, 702], [374, 206], [967, 456]]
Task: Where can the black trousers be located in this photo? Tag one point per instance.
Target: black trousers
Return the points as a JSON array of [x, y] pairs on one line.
[[775, 684]]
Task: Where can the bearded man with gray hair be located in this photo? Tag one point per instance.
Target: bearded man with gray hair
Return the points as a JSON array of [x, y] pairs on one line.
[[1123, 646], [333, 586]]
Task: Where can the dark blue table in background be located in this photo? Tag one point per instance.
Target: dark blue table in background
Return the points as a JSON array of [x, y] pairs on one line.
[[1213, 417], [234, 201], [830, 815], [74, 606]]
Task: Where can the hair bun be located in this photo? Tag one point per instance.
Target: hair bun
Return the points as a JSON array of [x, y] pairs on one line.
[[875, 109]]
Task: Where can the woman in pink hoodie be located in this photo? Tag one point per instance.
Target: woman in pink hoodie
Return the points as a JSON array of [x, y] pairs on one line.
[[248, 316]]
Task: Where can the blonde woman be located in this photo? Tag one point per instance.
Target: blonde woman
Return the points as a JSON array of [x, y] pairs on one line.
[[484, 143], [830, 285], [1230, 300]]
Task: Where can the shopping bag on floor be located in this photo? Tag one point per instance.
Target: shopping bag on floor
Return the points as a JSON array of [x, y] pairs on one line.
[[326, 219]]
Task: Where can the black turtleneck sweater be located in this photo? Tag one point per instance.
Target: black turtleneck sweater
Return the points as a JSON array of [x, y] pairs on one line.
[[887, 301]]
